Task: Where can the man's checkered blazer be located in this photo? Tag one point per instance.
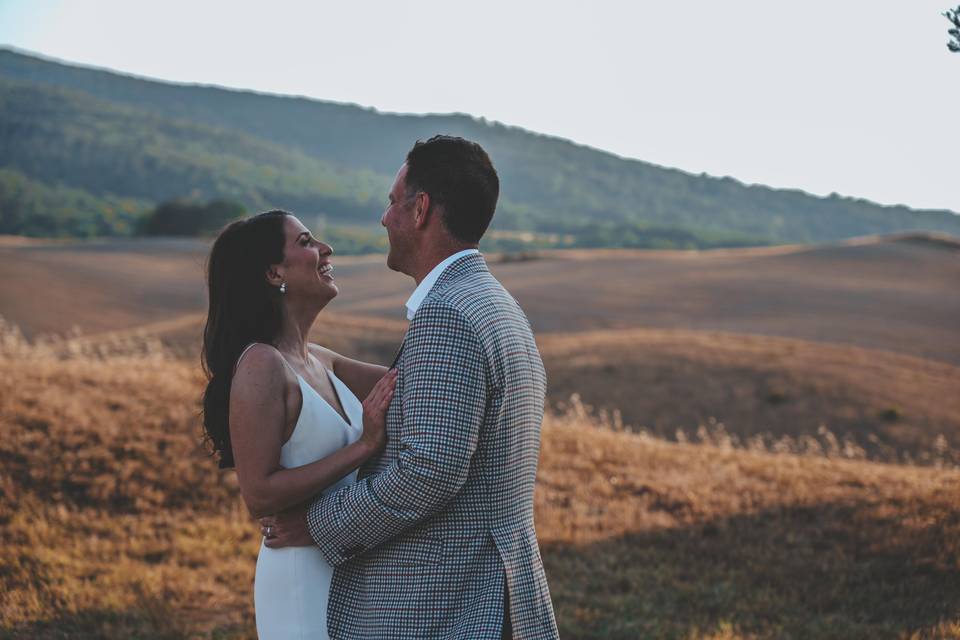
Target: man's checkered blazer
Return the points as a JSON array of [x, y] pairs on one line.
[[426, 541]]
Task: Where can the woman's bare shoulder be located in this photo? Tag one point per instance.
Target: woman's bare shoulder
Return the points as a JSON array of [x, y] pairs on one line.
[[258, 364]]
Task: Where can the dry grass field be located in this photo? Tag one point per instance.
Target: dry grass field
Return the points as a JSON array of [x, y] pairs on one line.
[[784, 392], [898, 294], [99, 286], [858, 339], [718, 460], [878, 404], [114, 524]]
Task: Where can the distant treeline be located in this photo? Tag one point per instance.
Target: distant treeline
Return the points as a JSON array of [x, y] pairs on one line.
[[87, 152], [185, 218], [32, 208], [189, 218]]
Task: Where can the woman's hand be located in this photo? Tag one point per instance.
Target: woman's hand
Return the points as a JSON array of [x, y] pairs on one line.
[[375, 411]]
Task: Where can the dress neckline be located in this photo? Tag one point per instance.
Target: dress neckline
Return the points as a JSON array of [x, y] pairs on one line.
[[345, 416]]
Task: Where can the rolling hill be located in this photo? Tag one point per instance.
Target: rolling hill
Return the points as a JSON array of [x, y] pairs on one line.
[[76, 131], [792, 347], [895, 294]]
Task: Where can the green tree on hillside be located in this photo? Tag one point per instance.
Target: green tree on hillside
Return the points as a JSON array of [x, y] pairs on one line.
[[954, 18], [185, 218], [32, 208]]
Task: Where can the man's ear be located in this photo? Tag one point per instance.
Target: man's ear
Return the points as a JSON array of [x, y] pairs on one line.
[[273, 276], [421, 209]]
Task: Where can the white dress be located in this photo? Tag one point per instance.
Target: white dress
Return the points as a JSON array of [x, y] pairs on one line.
[[292, 585]]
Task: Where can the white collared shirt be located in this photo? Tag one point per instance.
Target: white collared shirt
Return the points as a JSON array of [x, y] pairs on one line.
[[418, 295]]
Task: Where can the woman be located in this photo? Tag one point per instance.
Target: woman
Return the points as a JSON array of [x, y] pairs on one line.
[[283, 411]]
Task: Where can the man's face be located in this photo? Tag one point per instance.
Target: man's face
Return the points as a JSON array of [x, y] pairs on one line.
[[398, 219]]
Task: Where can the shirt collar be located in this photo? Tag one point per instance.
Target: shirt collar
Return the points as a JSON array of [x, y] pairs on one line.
[[420, 293]]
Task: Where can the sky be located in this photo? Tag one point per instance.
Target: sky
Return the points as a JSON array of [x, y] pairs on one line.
[[848, 96]]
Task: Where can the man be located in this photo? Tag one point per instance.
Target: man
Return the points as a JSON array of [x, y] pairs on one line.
[[436, 539]]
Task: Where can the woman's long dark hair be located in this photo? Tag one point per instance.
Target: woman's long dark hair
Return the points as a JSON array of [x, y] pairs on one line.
[[244, 308]]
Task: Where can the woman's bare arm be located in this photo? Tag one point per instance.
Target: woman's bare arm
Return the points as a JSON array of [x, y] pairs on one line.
[[360, 377], [257, 420]]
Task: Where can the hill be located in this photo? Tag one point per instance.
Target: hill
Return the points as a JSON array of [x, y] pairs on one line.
[[847, 348], [114, 524], [762, 392], [895, 294], [159, 140]]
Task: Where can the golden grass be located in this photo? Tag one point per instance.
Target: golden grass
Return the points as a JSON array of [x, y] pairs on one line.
[[114, 524], [747, 391], [645, 538], [780, 392]]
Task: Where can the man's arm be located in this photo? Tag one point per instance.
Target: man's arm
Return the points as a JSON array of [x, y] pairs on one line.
[[443, 399]]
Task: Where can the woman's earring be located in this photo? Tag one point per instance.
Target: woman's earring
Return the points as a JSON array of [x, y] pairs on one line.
[[283, 287]]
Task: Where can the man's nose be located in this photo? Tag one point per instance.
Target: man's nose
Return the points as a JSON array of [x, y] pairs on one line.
[[383, 219]]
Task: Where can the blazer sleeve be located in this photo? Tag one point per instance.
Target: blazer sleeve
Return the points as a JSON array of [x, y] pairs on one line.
[[443, 400]]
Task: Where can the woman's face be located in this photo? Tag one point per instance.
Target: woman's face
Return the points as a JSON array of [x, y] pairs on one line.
[[306, 264]]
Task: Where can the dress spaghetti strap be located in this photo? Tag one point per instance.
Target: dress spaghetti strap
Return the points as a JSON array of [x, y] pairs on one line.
[[247, 348]]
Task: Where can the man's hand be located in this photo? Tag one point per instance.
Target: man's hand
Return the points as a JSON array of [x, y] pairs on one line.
[[287, 528]]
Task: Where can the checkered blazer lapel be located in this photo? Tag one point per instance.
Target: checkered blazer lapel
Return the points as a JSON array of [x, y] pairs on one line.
[[468, 264], [472, 263]]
